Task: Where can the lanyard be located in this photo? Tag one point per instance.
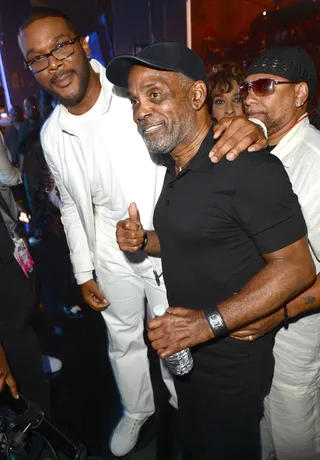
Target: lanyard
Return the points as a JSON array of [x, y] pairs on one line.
[[302, 118]]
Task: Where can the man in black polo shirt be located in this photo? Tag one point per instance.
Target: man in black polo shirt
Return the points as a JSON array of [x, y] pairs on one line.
[[233, 248]]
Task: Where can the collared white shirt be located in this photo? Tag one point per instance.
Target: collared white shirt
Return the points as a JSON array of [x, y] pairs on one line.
[[297, 350]]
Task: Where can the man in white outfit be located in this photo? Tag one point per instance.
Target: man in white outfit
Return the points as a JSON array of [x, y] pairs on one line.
[[100, 164], [277, 88]]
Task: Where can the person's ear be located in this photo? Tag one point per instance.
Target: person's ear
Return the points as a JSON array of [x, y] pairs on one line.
[[85, 46], [198, 94], [301, 94]]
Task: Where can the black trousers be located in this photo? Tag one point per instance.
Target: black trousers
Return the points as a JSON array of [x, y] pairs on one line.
[[221, 405], [24, 357]]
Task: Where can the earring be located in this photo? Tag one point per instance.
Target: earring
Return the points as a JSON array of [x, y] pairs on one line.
[[298, 104]]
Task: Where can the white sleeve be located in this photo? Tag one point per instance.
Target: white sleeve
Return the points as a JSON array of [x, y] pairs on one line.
[[9, 174], [311, 213], [261, 124], [77, 240]]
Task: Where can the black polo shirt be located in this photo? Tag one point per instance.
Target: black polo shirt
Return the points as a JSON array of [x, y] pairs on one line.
[[215, 220]]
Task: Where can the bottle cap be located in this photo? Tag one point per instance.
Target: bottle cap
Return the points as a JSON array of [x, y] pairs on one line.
[[159, 310]]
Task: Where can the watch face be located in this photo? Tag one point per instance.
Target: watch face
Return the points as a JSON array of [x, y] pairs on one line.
[[215, 320]]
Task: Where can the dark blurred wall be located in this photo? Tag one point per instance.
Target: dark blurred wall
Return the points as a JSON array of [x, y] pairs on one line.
[[129, 22], [20, 81], [227, 19], [141, 22]]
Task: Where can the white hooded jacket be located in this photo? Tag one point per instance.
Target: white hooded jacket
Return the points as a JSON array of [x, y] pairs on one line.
[[139, 178]]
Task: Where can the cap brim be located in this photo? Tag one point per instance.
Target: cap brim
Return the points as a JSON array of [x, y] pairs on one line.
[[119, 68]]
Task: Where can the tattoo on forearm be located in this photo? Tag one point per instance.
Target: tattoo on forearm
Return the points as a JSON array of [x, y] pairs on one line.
[[309, 300]]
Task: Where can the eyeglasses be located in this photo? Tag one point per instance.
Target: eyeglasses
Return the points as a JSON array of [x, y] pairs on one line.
[[262, 87], [60, 52]]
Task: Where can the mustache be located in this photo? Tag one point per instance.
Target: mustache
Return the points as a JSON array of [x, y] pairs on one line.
[[59, 74], [145, 124]]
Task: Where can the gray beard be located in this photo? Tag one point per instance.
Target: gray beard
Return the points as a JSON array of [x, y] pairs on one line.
[[162, 146]]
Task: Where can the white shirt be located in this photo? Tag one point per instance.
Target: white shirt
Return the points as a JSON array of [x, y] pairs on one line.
[[100, 165], [297, 349], [91, 125], [106, 194]]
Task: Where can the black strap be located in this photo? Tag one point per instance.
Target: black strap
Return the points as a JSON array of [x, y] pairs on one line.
[[217, 324]]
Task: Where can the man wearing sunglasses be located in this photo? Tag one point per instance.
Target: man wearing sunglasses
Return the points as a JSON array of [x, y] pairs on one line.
[[100, 164], [277, 88], [228, 247]]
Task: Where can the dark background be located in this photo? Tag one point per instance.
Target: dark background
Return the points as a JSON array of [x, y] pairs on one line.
[[130, 23]]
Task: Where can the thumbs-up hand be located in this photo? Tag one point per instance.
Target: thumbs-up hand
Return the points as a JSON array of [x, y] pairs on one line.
[[130, 233], [134, 215]]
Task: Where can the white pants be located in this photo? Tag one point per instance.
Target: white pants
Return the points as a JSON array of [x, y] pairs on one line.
[[290, 429], [127, 350]]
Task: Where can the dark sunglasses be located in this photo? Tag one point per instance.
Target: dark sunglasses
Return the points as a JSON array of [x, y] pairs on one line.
[[262, 87]]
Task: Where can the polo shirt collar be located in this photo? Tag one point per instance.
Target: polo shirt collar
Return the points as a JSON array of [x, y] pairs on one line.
[[200, 161]]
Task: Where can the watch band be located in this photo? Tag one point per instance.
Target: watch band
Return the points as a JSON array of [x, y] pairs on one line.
[[145, 240], [217, 323]]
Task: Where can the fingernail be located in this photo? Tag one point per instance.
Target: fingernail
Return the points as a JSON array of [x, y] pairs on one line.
[[251, 149], [105, 302], [231, 156], [216, 134], [17, 397], [214, 159]]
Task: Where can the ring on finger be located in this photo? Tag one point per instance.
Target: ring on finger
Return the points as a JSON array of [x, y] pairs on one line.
[[250, 338]]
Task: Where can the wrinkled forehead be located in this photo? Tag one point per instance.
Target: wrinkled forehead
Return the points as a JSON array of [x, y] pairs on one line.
[[142, 78]]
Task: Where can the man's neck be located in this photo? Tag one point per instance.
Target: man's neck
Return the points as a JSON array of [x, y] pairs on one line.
[[183, 153], [275, 138], [91, 96]]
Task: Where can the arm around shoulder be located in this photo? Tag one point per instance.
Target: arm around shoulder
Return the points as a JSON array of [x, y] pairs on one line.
[[270, 213]]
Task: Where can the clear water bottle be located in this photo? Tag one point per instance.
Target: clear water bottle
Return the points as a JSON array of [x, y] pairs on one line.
[[182, 362]]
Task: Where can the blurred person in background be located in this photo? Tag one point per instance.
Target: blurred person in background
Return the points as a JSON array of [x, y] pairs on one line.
[[30, 124], [9, 177], [46, 105], [18, 297], [33, 164], [223, 97], [20, 357], [12, 134]]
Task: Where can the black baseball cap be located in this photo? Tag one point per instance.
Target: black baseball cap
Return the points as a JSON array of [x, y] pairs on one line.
[[169, 56]]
